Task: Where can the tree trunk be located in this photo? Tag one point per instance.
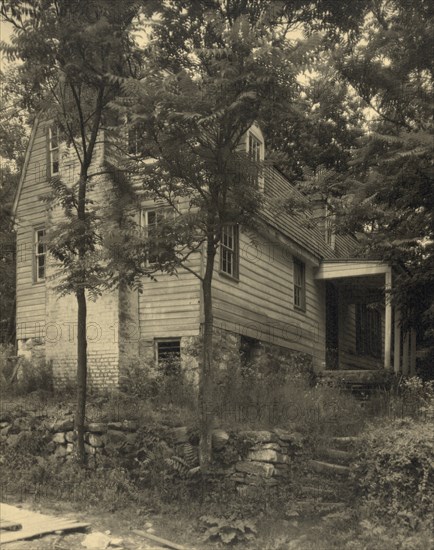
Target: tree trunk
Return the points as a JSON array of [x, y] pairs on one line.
[[206, 367], [80, 414]]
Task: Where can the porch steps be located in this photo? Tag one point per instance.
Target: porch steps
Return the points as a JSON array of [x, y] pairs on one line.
[[329, 468], [326, 488], [358, 381], [335, 455]]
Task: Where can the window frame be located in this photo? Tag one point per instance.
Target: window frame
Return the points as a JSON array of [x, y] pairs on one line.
[[232, 251], [255, 135], [37, 255], [144, 224], [299, 287], [52, 151], [158, 341]]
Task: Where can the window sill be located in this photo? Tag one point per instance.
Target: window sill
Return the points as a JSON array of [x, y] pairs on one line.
[[300, 309], [229, 277], [36, 283]]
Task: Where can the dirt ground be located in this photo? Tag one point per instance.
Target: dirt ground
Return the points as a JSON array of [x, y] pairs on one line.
[[116, 527]]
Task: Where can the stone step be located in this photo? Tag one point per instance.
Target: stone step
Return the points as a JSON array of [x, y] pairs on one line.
[[328, 468], [335, 455], [310, 508], [345, 443], [323, 494]]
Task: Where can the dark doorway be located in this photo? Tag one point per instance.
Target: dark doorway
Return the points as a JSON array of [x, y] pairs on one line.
[[332, 326]]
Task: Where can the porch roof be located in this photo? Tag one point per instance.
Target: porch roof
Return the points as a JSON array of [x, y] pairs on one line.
[[342, 268]]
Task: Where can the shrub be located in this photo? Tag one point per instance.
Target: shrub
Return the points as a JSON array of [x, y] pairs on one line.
[[395, 475]]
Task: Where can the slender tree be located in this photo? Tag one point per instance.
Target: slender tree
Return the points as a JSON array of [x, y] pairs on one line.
[[73, 53], [214, 68]]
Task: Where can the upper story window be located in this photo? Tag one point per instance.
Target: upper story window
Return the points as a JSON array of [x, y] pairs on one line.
[[149, 222], [53, 150], [136, 142], [299, 284], [229, 251], [39, 256]]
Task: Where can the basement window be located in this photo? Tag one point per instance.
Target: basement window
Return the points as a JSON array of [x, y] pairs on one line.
[[168, 355]]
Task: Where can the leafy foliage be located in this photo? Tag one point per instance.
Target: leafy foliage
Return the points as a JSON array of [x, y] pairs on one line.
[[395, 475], [228, 530]]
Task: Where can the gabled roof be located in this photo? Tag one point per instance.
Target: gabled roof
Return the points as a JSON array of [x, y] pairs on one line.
[[25, 166]]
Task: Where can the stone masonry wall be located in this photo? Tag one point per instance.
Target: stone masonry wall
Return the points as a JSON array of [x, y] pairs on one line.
[[246, 459]]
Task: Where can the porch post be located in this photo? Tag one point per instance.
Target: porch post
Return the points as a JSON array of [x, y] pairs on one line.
[[387, 319], [397, 341], [405, 354], [413, 352]]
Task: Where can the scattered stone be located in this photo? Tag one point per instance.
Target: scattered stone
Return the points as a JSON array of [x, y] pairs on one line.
[[69, 448], [263, 469], [219, 439], [59, 438], [4, 425], [116, 542], [97, 541], [115, 439]]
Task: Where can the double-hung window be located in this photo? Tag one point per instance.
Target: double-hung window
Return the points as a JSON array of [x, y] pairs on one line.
[[255, 151], [299, 284], [53, 151], [149, 220], [40, 256], [229, 251]]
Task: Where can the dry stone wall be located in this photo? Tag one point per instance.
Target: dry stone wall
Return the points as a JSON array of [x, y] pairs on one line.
[[246, 458]]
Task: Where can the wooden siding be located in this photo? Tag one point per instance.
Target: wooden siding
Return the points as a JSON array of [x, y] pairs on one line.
[[261, 303], [170, 305], [31, 213]]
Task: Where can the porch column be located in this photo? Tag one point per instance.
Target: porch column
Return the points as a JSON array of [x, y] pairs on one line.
[[387, 319], [397, 341], [405, 354], [412, 352]]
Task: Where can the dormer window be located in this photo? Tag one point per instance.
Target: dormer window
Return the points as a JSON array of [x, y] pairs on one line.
[[256, 152]]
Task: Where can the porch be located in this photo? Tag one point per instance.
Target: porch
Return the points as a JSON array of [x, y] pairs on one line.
[[364, 338]]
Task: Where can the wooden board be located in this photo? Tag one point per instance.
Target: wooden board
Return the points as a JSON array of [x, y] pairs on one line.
[[33, 524]]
